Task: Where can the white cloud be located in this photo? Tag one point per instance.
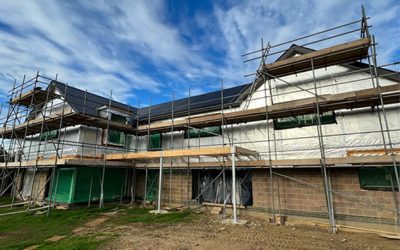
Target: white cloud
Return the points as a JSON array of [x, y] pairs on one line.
[[131, 47]]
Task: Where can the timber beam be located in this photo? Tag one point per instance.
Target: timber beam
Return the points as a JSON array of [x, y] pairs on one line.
[[178, 153]]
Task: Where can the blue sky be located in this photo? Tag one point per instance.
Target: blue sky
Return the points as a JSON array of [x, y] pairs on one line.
[[143, 49]]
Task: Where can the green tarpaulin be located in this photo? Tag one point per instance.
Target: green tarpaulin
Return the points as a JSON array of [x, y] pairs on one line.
[[155, 141], [79, 184], [304, 120], [379, 178], [203, 132]]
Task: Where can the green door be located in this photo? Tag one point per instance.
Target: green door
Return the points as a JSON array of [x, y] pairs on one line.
[[152, 184]]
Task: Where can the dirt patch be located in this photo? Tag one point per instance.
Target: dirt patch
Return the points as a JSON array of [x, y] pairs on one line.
[[209, 233], [91, 225], [32, 247], [96, 222], [56, 238], [110, 214]]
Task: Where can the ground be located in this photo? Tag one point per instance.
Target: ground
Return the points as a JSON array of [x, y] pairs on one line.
[[207, 232], [123, 227]]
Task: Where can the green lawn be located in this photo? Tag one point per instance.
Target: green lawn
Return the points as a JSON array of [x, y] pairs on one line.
[[22, 230], [131, 215]]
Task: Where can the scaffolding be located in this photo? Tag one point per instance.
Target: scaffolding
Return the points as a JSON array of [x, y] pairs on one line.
[[39, 106]]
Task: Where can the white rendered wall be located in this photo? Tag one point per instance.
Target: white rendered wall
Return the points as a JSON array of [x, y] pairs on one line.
[[353, 130]]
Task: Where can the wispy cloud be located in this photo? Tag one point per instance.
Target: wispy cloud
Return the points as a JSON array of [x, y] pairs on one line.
[[152, 48]]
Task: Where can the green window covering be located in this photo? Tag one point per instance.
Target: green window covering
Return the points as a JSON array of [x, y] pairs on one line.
[[115, 137], [304, 120], [203, 132], [377, 178], [48, 135], [155, 141], [118, 118]]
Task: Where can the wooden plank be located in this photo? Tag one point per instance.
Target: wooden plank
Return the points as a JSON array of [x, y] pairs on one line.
[[379, 151], [92, 162], [65, 162], [177, 153], [209, 151], [40, 96], [221, 205], [245, 151], [34, 125], [70, 118], [341, 53], [395, 235], [32, 163]]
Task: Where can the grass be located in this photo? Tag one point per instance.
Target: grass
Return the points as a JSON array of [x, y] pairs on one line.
[[75, 242], [5, 200], [23, 230], [142, 215]]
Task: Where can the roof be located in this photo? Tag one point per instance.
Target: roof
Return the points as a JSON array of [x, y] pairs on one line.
[[87, 103], [297, 49], [198, 104]]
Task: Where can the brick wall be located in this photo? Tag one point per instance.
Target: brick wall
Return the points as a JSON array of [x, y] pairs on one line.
[[300, 199], [346, 181], [292, 197], [181, 184], [181, 187]]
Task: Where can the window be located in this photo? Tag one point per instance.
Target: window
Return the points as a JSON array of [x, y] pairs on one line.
[[113, 136], [377, 178], [304, 120], [48, 135], [118, 118], [155, 142], [203, 132]]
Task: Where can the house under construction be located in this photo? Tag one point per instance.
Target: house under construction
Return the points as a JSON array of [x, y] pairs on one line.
[[316, 134]]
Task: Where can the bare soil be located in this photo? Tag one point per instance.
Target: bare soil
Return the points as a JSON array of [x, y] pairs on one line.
[[207, 232]]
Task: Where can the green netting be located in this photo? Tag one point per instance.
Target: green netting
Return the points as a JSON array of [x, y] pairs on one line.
[[155, 141], [203, 132], [47, 135], [152, 184], [378, 178], [79, 184], [304, 120]]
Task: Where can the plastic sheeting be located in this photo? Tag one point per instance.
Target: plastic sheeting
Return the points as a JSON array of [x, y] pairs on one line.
[[212, 191]]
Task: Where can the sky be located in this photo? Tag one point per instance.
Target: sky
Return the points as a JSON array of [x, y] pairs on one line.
[[146, 52]]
